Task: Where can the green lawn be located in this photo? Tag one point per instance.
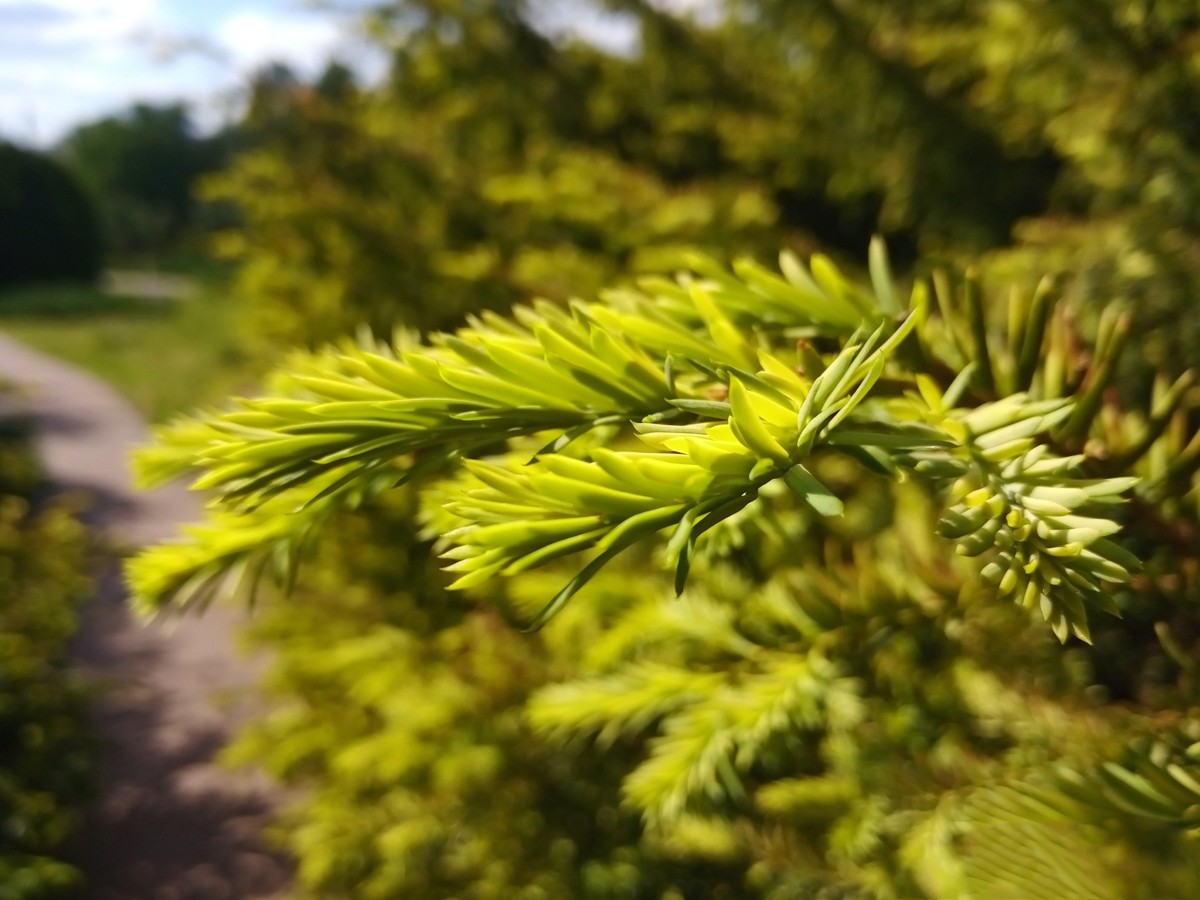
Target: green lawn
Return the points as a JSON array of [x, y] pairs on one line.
[[166, 356]]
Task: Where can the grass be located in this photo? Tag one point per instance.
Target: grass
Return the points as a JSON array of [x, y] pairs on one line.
[[165, 356]]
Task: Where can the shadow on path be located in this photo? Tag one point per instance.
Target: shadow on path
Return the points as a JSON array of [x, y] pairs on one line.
[[170, 825]]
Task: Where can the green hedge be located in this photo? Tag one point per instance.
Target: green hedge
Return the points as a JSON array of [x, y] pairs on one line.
[[48, 226]]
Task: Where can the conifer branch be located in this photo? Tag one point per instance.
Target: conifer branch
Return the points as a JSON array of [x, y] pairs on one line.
[[699, 368]]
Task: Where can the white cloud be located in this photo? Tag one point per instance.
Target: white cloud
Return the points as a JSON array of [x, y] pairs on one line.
[[66, 62], [252, 38], [62, 60], [581, 20], [614, 31], [48, 25], [706, 12]]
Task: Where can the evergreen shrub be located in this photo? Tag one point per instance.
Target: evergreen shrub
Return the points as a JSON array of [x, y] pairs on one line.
[[48, 226], [935, 631]]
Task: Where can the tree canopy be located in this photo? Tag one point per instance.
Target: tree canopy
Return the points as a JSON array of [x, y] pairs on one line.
[[141, 167]]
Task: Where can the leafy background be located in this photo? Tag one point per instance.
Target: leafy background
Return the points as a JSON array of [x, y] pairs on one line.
[[47, 749]]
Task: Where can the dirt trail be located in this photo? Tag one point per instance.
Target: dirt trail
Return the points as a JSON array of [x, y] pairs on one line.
[[148, 285], [170, 825]]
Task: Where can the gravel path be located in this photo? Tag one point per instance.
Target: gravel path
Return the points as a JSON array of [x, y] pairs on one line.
[[170, 825], [148, 285]]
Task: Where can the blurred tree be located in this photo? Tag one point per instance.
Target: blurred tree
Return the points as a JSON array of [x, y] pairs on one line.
[[48, 224], [488, 166], [141, 166], [1061, 134], [1067, 126]]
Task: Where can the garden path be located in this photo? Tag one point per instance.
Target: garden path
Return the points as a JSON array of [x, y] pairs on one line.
[[170, 823]]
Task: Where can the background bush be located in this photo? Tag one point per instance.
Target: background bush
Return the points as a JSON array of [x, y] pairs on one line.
[[140, 168], [46, 751], [495, 162], [48, 225]]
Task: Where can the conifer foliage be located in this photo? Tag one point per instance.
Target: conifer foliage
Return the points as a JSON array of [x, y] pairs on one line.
[[657, 359], [835, 701]]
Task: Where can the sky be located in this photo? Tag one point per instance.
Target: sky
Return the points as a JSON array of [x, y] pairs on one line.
[[64, 63]]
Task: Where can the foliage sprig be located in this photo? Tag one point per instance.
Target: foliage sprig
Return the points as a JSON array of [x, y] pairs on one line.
[[730, 381]]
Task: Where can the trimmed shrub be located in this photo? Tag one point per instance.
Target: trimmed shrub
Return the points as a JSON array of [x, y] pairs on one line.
[[48, 226]]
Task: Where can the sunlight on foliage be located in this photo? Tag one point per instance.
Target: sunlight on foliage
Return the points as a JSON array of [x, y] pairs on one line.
[[829, 437]]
